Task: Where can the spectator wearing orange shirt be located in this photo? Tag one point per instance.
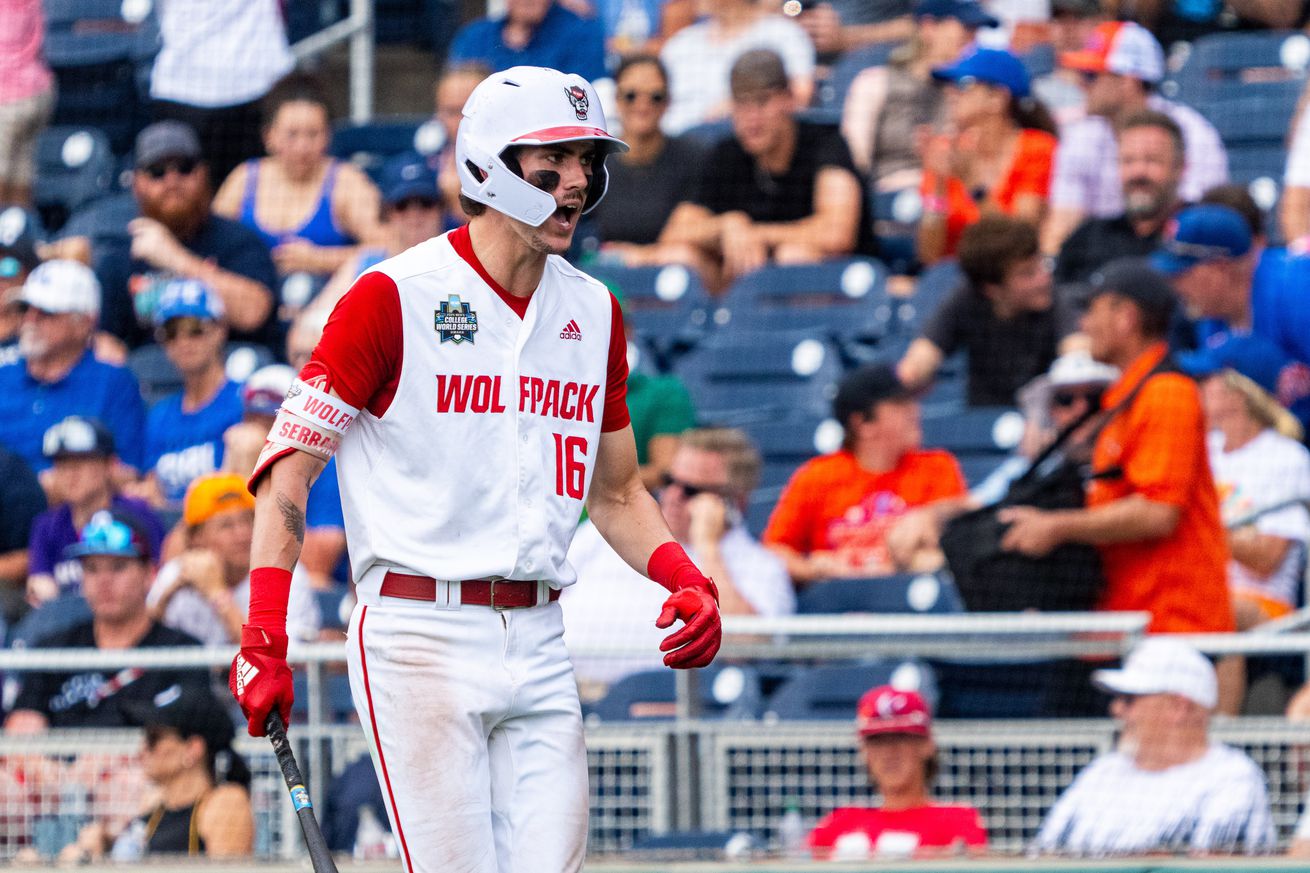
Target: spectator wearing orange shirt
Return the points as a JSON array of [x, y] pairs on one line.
[[1155, 521], [895, 730], [996, 156], [832, 518]]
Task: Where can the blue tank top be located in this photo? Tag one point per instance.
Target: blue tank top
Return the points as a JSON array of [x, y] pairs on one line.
[[320, 228]]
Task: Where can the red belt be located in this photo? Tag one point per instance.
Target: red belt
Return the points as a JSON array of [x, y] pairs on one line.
[[496, 593]]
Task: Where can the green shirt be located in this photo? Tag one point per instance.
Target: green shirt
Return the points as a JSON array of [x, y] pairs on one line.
[[658, 405]]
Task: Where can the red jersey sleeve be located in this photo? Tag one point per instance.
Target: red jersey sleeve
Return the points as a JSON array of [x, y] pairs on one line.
[[616, 381], [362, 345]]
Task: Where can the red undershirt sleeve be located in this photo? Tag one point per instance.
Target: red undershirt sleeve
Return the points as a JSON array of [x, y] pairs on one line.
[[616, 382], [362, 345]]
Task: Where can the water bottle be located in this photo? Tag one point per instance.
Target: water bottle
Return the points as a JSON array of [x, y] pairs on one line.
[[791, 831], [371, 839]]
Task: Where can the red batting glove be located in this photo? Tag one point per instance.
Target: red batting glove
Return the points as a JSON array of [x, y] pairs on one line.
[[260, 679], [698, 641]]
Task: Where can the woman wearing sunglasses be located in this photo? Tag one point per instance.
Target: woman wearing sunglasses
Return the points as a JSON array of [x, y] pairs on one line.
[[647, 182]]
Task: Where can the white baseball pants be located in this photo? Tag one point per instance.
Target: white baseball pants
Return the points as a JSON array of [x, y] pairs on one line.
[[473, 721]]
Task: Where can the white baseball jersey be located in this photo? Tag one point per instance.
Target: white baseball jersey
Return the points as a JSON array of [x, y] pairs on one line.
[[480, 412]]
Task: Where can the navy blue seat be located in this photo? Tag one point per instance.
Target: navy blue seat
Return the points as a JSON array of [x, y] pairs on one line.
[[1253, 128], [667, 308], [830, 692], [933, 286], [60, 614], [329, 605], [726, 691], [844, 299], [784, 445], [896, 217], [74, 166], [707, 135], [370, 144], [740, 376], [104, 220], [980, 437], [1229, 65], [831, 93], [905, 593], [101, 52], [1039, 60], [159, 378]]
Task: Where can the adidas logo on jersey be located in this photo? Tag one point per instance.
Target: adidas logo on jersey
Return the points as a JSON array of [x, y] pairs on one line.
[[571, 331]]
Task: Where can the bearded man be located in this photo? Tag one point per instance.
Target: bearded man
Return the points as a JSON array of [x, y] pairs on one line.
[[176, 236]]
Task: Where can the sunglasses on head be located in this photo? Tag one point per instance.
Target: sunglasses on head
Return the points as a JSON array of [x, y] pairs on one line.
[[631, 96], [184, 325], [181, 166]]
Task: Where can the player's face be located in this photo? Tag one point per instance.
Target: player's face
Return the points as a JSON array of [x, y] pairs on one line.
[[896, 762], [692, 472], [643, 96], [760, 119], [298, 137], [1149, 171], [564, 171], [1027, 285], [115, 587]]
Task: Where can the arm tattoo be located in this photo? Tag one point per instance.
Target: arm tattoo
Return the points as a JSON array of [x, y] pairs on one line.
[[293, 518]]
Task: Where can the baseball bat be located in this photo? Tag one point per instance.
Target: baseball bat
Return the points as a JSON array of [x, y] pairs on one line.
[[319, 855]]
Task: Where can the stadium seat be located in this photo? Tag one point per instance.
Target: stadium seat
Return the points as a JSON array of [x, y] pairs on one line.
[[1011, 689], [59, 614], [74, 166], [1039, 60], [159, 378], [329, 605], [741, 376], [709, 134], [895, 224], [934, 284], [906, 593], [1221, 66], [667, 308], [104, 220], [844, 300], [830, 692], [101, 53], [727, 692], [981, 437], [831, 93], [785, 444], [370, 144]]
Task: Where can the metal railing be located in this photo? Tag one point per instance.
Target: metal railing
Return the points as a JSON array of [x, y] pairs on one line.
[[357, 29]]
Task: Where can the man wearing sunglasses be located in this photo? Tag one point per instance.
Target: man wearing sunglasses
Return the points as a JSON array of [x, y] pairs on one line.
[[184, 431], [116, 574], [176, 236]]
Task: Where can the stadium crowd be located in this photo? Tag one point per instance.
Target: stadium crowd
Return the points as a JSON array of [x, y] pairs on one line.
[[1109, 274]]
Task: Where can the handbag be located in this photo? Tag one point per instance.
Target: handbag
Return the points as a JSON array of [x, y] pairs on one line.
[[1069, 579]]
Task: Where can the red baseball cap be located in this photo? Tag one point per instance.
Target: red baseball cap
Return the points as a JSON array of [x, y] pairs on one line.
[[888, 710]]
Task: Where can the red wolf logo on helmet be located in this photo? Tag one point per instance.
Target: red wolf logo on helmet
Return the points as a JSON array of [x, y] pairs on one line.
[[578, 97]]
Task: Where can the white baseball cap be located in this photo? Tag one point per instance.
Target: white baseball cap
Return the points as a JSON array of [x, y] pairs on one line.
[[1160, 665], [1120, 47], [62, 286], [1078, 368]]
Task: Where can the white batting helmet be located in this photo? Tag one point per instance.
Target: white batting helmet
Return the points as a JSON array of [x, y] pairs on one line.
[[527, 106]]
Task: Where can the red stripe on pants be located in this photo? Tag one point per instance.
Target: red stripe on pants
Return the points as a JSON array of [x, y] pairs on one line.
[[377, 742]]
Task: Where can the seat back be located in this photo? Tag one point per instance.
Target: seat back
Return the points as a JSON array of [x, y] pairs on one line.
[[667, 309], [370, 144], [933, 286], [57, 615], [830, 692], [727, 691], [844, 299], [1223, 66], [906, 593], [74, 166]]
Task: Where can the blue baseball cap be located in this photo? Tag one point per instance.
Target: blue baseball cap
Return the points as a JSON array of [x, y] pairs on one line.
[[1254, 356], [989, 66], [111, 532], [968, 12], [408, 175], [188, 297], [1202, 233]]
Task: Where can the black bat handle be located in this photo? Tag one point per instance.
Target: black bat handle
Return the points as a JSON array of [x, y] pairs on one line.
[[319, 853]]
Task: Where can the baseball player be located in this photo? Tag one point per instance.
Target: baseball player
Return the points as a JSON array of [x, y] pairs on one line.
[[472, 390]]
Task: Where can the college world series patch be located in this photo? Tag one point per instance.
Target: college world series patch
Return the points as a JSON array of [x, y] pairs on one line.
[[455, 321]]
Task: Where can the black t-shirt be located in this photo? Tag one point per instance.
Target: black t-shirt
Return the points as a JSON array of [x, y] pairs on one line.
[[731, 181], [229, 244], [1096, 242], [96, 698], [1004, 355], [640, 198]]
